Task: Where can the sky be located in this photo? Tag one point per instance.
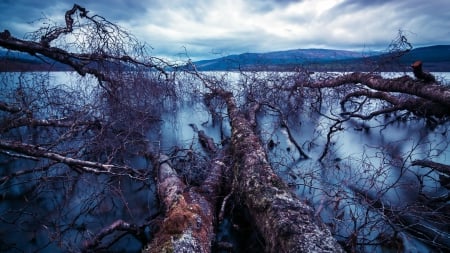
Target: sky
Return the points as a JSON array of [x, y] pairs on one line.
[[206, 29]]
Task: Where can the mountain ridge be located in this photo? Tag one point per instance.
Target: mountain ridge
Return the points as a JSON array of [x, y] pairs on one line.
[[435, 58]]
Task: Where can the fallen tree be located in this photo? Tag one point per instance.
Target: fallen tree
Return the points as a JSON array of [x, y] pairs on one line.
[[190, 214], [286, 223], [188, 222], [425, 98]]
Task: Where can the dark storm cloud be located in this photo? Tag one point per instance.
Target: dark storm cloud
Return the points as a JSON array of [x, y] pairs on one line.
[[23, 10], [206, 27], [17, 13], [120, 10]]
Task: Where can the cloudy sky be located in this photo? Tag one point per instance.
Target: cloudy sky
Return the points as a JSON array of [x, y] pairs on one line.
[[211, 28]]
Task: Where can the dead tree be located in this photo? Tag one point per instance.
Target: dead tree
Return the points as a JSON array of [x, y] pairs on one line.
[[92, 60], [73, 145], [190, 212], [428, 100], [188, 223], [286, 223]]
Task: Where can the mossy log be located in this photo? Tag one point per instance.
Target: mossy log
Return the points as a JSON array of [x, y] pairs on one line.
[[286, 223], [188, 222]]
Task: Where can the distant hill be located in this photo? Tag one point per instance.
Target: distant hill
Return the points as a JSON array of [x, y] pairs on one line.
[[435, 58], [17, 61], [280, 59]]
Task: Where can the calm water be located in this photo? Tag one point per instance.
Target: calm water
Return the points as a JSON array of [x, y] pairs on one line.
[[376, 161]]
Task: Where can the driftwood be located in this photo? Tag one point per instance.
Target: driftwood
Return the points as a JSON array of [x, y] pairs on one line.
[[286, 223]]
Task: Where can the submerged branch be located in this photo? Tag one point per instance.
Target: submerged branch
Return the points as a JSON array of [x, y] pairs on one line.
[[118, 225], [292, 139], [87, 166], [443, 168]]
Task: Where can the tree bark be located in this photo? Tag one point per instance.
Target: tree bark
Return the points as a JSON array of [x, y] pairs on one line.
[[188, 223], [286, 223], [190, 211]]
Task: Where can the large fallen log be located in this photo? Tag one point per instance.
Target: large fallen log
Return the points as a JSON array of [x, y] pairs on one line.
[[188, 223], [190, 215], [286, 223]]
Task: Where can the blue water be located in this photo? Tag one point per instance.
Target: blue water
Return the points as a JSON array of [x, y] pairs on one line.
[[371, 157]]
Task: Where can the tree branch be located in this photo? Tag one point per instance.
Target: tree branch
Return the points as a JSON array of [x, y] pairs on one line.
[[55, 33], [87, 166], [434, 165], [418, 106], [433, 92], [118, 225]]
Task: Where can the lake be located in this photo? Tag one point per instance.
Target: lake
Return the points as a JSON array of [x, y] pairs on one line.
[[368, 163]]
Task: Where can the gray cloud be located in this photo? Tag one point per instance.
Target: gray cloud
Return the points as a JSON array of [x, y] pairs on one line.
[[207, 27]]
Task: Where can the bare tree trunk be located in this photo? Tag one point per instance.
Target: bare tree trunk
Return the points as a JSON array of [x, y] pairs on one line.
[[286, 223]]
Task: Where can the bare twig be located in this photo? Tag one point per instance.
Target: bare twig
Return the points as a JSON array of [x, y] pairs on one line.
[[118, 225], [87, 166]]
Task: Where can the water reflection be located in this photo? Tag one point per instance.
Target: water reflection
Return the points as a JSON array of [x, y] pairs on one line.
[[367, 169]]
